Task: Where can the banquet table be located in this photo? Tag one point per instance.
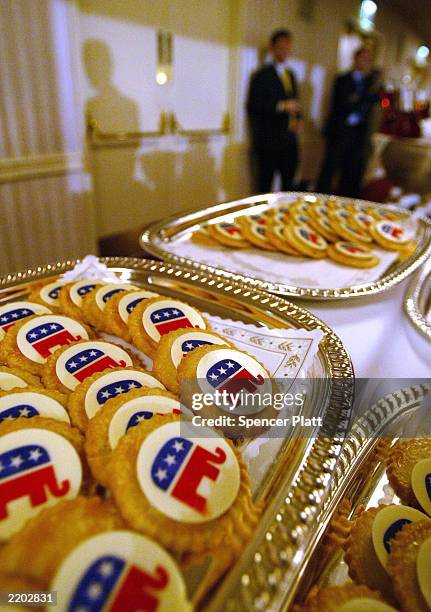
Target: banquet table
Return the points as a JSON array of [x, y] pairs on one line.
[[378, 335]]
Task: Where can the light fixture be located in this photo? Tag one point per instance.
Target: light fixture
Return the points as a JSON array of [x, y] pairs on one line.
[[161, 77], [367, 14], [164, 57], [422, 54]]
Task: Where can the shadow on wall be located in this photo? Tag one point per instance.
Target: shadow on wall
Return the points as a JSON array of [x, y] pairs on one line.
[[139, 182]]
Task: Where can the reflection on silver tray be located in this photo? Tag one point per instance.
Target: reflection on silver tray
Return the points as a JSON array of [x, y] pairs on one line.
[[417, 301], [295, 486], [360, 475], [157, 238]]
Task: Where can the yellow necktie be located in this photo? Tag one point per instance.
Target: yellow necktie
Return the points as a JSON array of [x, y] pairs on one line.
[[287, 81]]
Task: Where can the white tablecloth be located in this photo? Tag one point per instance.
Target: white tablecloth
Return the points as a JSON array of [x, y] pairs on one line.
[[380, 339]]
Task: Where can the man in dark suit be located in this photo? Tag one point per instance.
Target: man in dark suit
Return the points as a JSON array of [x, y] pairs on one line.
[[347, 129], [274, 114]]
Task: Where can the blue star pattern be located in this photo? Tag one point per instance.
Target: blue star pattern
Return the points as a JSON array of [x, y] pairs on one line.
[[169, 460]]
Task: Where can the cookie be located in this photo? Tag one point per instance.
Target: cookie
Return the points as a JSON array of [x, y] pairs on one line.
[[11, 378], [71, 365], [71, 295], [277, 239], [353, 254], [346, 598], [306, 241], [48, 294], [348, 232], [202, 236], [233, 383], [118, 416], [299, 207], [53, 534], [172, 348], [28, 345], [42, 463], [403, 457], [257, 235], [228, 234], [381, 214], [118, 309], [360, 220], [390, 235], [189, 493], [324, 227], [31, 402], [299, 219], [91, 395], [154, 318], [14, 312], [408, 566], [94, 303]]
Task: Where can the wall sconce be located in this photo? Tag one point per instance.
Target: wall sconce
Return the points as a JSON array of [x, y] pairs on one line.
[[422, 55], [367, 15], [164, 57]]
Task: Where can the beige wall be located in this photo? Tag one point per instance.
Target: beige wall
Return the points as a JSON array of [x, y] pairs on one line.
[[217, 44]]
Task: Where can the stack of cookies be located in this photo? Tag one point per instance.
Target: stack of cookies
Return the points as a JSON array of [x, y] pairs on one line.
[[342, 232], [387, 548], [101, 480]]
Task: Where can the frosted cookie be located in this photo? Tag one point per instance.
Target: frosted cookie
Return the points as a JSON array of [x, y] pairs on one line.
[[15, 312], [319, 210], [351, 233], [73, 364], [324, 227], [91, 395], [409, 566], [360, 220], [31, 402], [345, 598], [403, 457], [71, 295], [118, 416], [279, 210], [48, 294], [11, 378], [41, 463], [381, 214], [118, 309], [306, 241], [338, 214], [189, 493], [257, 235], [237, 382], [390, 235], [277, 239], [172, 348], [154, 318], [352, 254], [299, 219], [94, 302], [28, 345], [407, 250], [228, 234], [53, 534], [202, 236], [299, 207]]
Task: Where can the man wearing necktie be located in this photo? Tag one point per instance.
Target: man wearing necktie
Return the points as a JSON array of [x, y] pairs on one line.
[[274, 112], [347, 129]]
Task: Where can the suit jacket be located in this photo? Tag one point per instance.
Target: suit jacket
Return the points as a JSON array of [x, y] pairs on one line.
[[269, 127], [346, 100]]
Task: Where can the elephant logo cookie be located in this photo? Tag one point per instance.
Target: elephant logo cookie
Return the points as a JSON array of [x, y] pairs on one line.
[[39, 338], [392, 231], [310, 238], [115, 383], [120, 570], [137, 410], [83, 360], [104, 293], [231, 230], [130, 301], [189, 341], [165, 316], [78, 290], [353, 250], [9, 381], [189, 479], [17, 311], [50, 293], [363, 220], [29, 404], [37, 468]]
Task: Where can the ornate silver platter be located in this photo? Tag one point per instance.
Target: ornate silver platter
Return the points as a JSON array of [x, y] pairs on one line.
[[417, 301], [295, 485], [170, 241]]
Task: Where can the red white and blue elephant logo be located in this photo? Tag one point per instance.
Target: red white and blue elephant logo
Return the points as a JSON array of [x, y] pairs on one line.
[[89, 362]]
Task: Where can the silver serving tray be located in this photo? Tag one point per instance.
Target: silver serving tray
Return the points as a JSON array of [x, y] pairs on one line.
[[360, 475], [158, 240], [417, 300], [294, 488]]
